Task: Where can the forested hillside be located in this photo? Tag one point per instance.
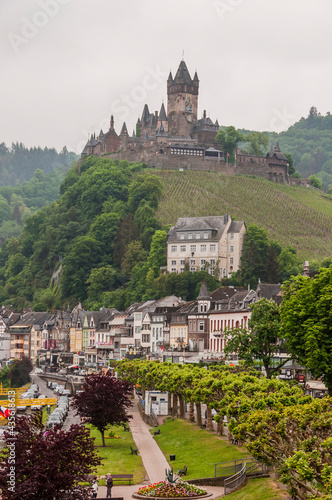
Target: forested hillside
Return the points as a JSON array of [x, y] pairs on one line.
[[309, 141], [103, 242], [18, 163]]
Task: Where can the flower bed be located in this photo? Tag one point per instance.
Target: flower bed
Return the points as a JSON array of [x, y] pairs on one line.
[[163, 489]]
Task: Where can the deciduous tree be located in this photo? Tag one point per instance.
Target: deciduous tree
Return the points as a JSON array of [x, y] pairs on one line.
[[47, 465], [104, 402]]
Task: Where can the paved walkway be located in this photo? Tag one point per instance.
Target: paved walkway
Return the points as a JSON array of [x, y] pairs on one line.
[[153, 459]]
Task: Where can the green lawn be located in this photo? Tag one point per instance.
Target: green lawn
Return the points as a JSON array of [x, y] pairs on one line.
[[259, 489], [196, 448], [117, 455]]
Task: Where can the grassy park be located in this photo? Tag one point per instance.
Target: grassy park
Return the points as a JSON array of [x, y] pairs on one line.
[[194, 447], [117, 457]]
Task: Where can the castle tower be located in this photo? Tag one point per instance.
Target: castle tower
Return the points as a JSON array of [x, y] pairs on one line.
[[182, 101]]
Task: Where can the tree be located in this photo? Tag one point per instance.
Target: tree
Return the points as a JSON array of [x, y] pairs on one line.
[[104, 402], [229, 139], [315, 182], [254, 255], [260, 341], [19, 372], [257, 143], [48, 465], [306, 317]]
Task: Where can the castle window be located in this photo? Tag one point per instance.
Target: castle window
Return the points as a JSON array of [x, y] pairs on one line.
[[174, 248], [212, 262], [173, 270], [206, 236], [190, 236], [231, 260], [182, 262], [192, 262], [181, 269], [192, 269], [203, 248], [181, 236], [212, 248], [197, 236], [173, 262], [203, 262], [182, 248], [192, 248], [231, 249], [232, 236]]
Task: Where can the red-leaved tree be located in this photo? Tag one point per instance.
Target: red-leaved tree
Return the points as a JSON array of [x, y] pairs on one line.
[[104, 402], [50, 465]]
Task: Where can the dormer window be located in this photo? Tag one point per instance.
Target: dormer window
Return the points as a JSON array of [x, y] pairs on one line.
[[197, 236], [181, 236], [190, 236], [206, 236]]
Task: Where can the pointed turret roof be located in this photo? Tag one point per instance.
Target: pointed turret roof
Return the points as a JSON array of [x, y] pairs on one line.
[[145, 114], [162, 114], [182, 75], [196, 77], [124, 130], [134, 135], [170, 77], [277, 147], [204, 292]]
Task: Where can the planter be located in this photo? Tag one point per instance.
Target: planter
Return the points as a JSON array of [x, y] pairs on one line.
[[179, 490]]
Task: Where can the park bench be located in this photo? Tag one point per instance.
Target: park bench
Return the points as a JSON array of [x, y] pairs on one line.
[[235, 441], [134, 451], [126, 427], [182, 472], [122, 477], [156, 432]]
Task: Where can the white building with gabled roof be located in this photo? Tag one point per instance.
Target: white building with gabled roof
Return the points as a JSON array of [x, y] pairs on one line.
[[212, 243]]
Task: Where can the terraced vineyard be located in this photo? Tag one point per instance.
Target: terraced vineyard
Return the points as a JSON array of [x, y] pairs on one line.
[[292, 215]]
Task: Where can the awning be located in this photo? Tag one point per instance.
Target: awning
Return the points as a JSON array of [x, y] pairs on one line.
[[73, 366]]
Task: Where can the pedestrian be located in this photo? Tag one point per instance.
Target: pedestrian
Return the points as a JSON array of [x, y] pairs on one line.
[[109, 484], [94, 488]]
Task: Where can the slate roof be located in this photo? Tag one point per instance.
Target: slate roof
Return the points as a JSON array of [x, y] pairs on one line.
[[182, 74], [162, 114], [34, 318], [185, 224]]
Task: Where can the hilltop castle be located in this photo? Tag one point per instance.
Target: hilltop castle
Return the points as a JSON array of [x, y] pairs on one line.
[[179, 140]]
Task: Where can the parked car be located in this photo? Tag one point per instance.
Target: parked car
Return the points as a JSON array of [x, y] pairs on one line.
[[66, 392], [21, 408], [39, 371]]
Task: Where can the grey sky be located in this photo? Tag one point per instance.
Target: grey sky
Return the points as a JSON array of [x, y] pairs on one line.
[[68, 64]]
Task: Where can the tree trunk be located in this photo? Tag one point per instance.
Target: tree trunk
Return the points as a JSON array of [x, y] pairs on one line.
[[169, 403], [199, 414], [103, 437], [191, 412], [175, 405], [209, 423], [220, 427], [181, 401]]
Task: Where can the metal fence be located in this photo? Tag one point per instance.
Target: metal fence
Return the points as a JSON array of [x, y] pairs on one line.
[[235, 481], [224, 469]]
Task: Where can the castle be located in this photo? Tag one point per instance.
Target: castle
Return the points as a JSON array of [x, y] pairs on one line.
[[177, 139]]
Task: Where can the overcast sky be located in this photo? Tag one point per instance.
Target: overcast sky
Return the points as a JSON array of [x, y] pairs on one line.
[[67, 65]]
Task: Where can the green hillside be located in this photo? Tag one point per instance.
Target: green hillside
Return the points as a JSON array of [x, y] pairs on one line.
[[293, 216]]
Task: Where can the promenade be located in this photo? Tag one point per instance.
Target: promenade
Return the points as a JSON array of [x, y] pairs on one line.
[[153, 459]]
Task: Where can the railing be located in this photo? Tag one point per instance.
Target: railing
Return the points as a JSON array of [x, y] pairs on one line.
[[222, 469], [255, 466], [154, 418], [235, 481]]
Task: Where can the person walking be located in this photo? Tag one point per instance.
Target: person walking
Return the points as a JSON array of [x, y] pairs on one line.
[[94, 488], [109, 485]]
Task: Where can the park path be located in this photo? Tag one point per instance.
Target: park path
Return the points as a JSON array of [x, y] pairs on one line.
[[153, 459]]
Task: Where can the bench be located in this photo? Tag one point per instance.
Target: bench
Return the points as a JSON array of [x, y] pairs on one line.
[[182, 472], [235, 441], [156, 432], [122, 477], [134, 451], [126, 428]]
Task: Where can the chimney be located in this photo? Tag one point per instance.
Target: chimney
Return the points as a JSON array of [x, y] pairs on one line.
[[225, 219], [112, 123], [204, 114], [156, 114]]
